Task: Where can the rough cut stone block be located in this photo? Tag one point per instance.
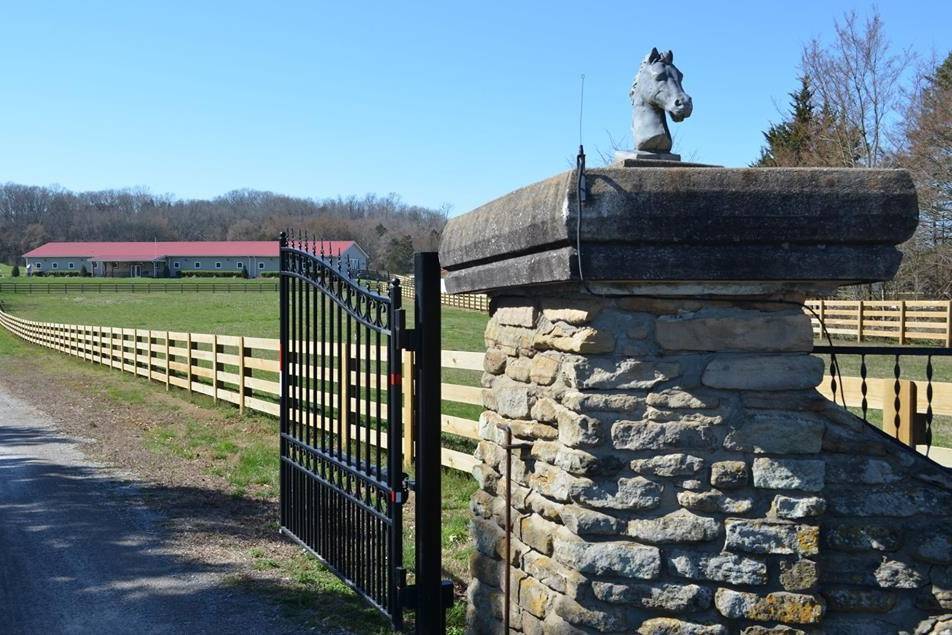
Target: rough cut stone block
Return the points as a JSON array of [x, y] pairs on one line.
[[728, 474], [791, 608], [797, 508], [893, 574], [612, 619], [804, 475], [777, 432], [769, 372], [537, 532], [764, 536], [596, 373], [668, 465], [551, 573], [714, 501], [494, 362], [680, 526], [677, 399], [575, 315], [517, 369], [799, 575], [718, 567], [721, 330], [512, 399], [601, 403], [582, 521], [936, 548], [673, 626], [533, 597], [896, 501], [570, 339], [516, 315], [660, 597], [578, 430], [651, 435], [545, 368], [859, 600], [772, 630], [636, 493], [853, 470], [862, 537], [624, 559]]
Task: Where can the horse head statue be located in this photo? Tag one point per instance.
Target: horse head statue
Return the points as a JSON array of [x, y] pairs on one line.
[[655, 91]]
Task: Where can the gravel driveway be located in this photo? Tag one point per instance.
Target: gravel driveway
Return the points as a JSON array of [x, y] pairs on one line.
[[80, 552]]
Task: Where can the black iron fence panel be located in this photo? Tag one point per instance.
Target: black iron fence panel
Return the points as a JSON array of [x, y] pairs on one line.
[[342, 488], [911, 373]]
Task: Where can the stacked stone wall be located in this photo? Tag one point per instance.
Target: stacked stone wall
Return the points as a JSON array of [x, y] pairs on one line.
[[684, 476]]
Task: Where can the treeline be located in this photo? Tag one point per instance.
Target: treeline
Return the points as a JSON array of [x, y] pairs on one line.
[[860, 104], [388, 229]]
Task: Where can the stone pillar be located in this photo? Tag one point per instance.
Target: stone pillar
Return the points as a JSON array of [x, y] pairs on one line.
[[682, 474]]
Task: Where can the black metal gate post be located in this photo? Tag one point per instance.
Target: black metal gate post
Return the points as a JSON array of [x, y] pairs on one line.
[[431, 596], [283, 376]]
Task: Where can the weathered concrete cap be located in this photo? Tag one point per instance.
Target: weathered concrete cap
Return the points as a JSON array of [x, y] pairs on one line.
[[687, 224]]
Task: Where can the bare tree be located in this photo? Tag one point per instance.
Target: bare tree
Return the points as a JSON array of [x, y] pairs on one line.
[[859, 80]]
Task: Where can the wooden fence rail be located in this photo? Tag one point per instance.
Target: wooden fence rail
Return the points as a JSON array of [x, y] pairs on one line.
[[469, 301], [243, 371], [900, 320]]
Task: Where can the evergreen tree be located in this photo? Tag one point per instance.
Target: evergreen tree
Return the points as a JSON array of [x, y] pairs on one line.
[[808, 137], [16, 271]]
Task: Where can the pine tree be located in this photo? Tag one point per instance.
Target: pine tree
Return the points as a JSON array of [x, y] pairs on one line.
[[16, 271], [807, 137]]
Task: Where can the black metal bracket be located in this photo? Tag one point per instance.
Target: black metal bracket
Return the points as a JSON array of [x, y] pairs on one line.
[[408, 595], [408, 339]]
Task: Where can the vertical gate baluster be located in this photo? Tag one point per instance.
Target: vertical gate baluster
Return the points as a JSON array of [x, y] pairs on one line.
[[897, 403], [863, 387], [928, 438]]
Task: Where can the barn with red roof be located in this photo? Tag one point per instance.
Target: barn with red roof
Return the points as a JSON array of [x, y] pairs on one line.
[[250, 258]]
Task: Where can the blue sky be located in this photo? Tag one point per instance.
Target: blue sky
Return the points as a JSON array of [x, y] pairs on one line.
[[442, 103]]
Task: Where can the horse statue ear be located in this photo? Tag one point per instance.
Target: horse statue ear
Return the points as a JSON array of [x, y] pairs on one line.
[[653, 56], [668, 57]]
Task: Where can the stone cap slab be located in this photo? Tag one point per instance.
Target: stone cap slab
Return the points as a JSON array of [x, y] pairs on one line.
[[651, 224]]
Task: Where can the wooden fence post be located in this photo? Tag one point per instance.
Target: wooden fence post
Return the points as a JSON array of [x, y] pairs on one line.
[[859, 321], [215, 368], [148, 355], [908, 431], [110, 348], [407, 414], [241, 375], [168, 361], [948, 323], [902, 322], [188, 360]]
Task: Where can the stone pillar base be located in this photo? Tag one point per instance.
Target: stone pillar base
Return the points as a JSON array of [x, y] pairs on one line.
[[684, 476]]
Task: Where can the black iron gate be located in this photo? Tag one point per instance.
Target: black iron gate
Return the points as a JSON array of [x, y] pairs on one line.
[[342, 482]]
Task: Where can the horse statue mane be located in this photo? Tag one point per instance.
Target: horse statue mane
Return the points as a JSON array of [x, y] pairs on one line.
[[657, 90]]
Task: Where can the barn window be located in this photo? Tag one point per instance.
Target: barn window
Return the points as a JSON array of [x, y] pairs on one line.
[[55, 265], [72, 265], [39, 265], [260, 265], [240, 265], [198, 265], [217, 265], [176, 265]]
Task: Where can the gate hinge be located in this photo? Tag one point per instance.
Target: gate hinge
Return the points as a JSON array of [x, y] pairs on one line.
[[400, 496], [408, 340]]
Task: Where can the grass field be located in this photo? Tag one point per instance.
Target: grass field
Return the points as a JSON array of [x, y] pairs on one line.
[[248, 314]]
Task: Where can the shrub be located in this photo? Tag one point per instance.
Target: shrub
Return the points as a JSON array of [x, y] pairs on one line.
[[62, 274], [84, 272], [269, 274], [16, 271]]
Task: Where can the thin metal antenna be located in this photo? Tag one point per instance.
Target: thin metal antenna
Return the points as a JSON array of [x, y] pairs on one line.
[[581, 106]]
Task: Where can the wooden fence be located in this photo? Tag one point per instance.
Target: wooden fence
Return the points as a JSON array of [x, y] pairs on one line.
[[243, 371], [900, 320], [137, 287], [469, 301]]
